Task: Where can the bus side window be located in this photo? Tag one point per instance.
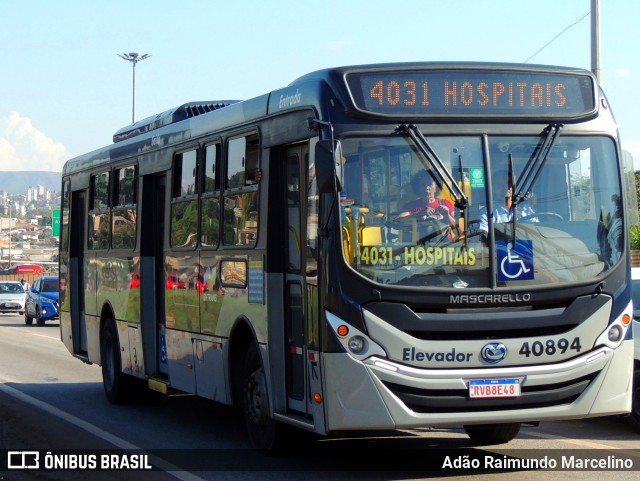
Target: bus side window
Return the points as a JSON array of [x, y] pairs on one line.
[[99, 223], [184, 204], [241, 191], [64, 224], [210, 203], [124, 215]]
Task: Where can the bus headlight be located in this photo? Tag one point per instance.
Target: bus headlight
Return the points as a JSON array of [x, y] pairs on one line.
[[615, 332], [355, 342]]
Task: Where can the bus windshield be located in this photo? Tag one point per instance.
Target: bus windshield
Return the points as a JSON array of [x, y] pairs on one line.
[[402, 225]]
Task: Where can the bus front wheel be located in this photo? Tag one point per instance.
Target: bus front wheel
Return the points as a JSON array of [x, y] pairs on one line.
[[634, 418], [265, 432], [485, 434], [115, 382]]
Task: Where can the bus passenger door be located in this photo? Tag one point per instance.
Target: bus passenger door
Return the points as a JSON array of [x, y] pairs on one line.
[[77, 234], [296, 285], [152, 287]]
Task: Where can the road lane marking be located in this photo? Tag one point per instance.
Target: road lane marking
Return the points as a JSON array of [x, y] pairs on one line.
[[166, 467], [45, 336], [31, 333]]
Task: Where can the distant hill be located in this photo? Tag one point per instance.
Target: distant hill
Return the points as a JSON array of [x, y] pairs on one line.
[[18, 182]]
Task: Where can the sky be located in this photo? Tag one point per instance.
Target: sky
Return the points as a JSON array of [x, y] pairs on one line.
[[64, 90]]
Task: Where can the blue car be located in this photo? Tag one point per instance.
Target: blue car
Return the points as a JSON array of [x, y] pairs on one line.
[[42, 300]]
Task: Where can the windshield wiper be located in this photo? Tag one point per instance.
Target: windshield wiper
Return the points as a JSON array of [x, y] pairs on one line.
[[523, 187], [442, 176]]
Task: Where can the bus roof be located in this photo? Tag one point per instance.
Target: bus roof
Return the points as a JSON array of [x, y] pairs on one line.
[[346, 84]]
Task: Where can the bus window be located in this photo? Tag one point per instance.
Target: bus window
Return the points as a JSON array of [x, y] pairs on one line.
[[293, 214], [98, 232], [184, 174], [241, 196], [210, 203], [124, 229], [184, 206], [242, 161], [241, 218], [100, 199], [211, 175], [313, 208], [66, 201], [124, 220], [126, 186]]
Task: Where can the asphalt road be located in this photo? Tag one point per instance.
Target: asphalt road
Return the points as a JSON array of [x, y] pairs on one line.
[[50, 401]]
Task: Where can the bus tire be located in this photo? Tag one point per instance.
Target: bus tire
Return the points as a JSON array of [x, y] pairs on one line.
[[485, 434], [265, 433], [634, 417], [117, 385]]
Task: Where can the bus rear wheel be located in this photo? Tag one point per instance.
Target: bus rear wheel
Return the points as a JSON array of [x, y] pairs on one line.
[[265, 433], [484, 434], [117, 385]]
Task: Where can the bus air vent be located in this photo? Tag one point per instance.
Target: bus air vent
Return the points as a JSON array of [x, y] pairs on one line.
[[185, 111]]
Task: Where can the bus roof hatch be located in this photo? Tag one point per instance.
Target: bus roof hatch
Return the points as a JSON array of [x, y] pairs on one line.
[[185, 111]]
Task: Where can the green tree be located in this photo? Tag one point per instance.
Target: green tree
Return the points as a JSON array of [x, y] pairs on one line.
[[634, 231]]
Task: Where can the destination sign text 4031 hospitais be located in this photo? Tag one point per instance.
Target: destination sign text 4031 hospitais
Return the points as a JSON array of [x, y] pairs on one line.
[[473, 93], [417, 255], [482, 94]]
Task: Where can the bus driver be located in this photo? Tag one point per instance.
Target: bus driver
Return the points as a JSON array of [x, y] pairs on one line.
[[428, 206], [504, 208]]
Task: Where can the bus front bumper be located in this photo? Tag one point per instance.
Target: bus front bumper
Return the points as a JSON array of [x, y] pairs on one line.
[[379, 394]]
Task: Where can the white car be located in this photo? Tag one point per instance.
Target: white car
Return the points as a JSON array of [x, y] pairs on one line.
[[635, 297], [12, 297]]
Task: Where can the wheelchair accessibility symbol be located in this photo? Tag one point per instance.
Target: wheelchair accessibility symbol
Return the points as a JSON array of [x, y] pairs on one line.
[[163, 349], [515, 262]]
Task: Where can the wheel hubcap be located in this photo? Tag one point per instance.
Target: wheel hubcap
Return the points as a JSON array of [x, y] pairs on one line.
[[257, 405]]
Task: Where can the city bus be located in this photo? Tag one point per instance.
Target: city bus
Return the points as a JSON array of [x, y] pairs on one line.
[[25, 269], [278, 255]]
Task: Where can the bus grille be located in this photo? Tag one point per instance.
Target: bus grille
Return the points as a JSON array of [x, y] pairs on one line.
[[454, 401], [484, 335]]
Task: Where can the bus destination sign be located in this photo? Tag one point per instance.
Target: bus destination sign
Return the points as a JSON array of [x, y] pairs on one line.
[[486, 93]]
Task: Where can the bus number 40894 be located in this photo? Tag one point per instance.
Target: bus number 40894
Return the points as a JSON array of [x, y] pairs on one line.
[[550, 347]]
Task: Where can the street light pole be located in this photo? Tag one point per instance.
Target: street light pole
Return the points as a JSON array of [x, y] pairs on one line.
[[134, 58], [10, 204], [595, 40]]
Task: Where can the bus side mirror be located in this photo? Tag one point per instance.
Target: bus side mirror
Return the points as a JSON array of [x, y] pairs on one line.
[[328, 166]]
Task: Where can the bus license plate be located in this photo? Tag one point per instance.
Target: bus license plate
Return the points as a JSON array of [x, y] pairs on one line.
[[492, 388]]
